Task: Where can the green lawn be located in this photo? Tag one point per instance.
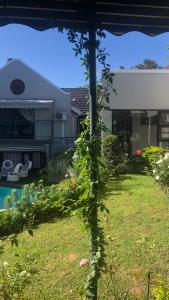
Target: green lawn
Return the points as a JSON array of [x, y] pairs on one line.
[[137, 235]]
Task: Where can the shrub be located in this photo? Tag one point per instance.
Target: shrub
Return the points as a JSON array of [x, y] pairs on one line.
[[152, 154], [9, 223], [13, 279], [161, 170], [56, 168], [54, 200], [37, 204], [161, 292], [113, 153]]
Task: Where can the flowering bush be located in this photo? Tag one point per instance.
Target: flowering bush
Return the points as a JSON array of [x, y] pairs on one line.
[[56, 169], [152, 154], [12, 281], [160, 170]]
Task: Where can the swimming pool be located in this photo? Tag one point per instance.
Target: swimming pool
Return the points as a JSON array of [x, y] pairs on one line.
[[6, 191]]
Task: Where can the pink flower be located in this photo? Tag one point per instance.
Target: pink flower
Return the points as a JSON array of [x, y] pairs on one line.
[[84, 262], [66, 175]]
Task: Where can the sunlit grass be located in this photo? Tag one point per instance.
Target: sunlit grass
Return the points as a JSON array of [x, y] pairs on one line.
[[138, 226], [54, 253], [137, 235]]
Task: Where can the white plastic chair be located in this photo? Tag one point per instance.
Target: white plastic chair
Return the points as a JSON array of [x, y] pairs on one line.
[[15, 175], [27, 167], [7, 166]]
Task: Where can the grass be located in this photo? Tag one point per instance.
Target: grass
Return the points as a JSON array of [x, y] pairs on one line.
[[137, 235], [53, 254]]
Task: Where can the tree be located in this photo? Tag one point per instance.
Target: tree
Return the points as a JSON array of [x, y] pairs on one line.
[[147, 64]]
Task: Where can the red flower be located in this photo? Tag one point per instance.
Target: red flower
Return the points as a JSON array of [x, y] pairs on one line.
[[138, 152]]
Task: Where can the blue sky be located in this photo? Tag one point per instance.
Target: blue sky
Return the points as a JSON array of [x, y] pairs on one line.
[[51, 54]]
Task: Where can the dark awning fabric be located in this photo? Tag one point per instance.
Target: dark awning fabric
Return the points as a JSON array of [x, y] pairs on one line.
[[117, 16]]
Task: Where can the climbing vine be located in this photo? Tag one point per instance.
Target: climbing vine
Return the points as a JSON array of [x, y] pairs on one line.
[[80, 43], [87, 159]]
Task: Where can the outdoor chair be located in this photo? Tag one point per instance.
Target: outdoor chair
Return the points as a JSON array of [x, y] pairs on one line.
[[27, 167], [15, 175], [7, 166]]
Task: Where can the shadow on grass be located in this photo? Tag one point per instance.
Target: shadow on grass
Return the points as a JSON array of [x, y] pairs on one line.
[[116, 186], [49, 220]]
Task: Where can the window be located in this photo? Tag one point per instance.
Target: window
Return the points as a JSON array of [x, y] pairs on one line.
[[17, 123], [17, 86], [164, 118], [164, 133], [149, 117]]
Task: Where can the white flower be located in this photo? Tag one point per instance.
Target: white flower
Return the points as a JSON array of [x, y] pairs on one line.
[[154, 171], [159, 161], [5, 264], [23, 273], [166, 156], [157, 177]]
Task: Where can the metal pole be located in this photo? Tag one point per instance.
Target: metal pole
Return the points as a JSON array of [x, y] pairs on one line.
[[92, 79], [93, 119]]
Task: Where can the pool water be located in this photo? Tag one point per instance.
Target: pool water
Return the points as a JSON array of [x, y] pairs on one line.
[[6, 191]]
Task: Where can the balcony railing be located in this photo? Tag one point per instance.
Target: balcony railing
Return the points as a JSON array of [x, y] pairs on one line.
[[60, 145], [30, 134]]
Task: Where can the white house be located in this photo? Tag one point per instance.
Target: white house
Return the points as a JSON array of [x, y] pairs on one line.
[[139, 108], [36, 117]]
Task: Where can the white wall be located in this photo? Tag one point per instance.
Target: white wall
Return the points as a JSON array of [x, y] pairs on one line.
[[36, 87], [74, 117], [140, 89], [107, 120]]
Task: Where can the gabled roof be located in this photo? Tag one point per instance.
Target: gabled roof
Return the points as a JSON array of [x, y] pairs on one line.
[[79, 98], [19, 61]]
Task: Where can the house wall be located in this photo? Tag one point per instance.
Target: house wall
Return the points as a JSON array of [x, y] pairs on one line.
[[37, 87], [141, 136], [107, 120], [74, 117], [43, 130], [140, 89]]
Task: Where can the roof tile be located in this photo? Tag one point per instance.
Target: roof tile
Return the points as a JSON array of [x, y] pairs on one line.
[[79, 98]]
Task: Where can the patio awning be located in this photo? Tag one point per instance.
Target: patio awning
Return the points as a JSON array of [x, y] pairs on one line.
[[25, 103], [117, 16]]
